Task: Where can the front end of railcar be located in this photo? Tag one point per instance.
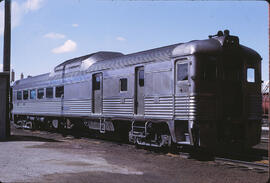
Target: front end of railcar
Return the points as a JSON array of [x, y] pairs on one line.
[[217, 92], [229, 94]]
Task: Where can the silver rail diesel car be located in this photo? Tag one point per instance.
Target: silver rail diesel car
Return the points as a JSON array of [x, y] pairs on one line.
[[203, 93]]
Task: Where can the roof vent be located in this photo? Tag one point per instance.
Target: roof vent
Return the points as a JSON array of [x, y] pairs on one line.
[[94, 57]]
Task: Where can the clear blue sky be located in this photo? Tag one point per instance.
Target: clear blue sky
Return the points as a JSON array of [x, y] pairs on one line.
[[47, 32]]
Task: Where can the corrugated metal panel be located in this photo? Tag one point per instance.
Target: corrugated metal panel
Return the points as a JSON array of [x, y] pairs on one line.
[[38, 107], [77, 107], [118, 106], [181, 107], [156, 106], [193, 107]]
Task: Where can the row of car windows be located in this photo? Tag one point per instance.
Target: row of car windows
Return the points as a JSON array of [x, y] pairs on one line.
[[182, 75], [59, 90], [209, 73], [41, 93]]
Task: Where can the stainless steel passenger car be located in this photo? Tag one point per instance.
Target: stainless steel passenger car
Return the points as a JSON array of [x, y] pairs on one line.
[[203, 93]]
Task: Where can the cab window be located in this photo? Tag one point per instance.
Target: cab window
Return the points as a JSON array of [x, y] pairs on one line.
[[251, 75], [182, 72]]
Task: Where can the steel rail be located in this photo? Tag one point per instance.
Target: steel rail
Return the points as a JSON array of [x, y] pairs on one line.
[[246, 164], [236, 163]]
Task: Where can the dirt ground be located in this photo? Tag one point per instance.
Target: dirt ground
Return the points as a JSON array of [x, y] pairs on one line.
[[39, 156]]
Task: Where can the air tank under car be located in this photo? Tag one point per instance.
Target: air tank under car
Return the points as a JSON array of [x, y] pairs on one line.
[[202, 93]]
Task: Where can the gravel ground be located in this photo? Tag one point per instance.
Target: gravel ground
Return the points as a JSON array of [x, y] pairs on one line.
[[48, 157]]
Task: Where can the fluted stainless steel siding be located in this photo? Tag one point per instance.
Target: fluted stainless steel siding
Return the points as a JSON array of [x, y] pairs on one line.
[[195, 107], [38, 107], [183, 107], [118, 106], [77, 107], [158, 106]]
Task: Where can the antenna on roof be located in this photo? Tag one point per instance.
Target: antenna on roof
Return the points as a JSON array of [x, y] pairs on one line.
[[219, 33]]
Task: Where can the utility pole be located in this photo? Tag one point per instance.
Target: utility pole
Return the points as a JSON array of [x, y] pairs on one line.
[[7, 35], [6, 55], [5, 76], [269, 93]]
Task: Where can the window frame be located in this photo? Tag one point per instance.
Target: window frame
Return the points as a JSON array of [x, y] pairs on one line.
[[254, 72], [23, 94], [35, 94], [17, 95], [141, 81], [94, 82], [62, 95], [120, 85], [179, 62], [40, 89], [46, 96]]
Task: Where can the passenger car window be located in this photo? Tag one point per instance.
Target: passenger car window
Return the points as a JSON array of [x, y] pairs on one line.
[[250, 75], [40, 93], [123, 84], [96, 82], [33, 94], [141, 78], [182, 72], [25, 94], [19, 95], [49, 92], [59, 91]]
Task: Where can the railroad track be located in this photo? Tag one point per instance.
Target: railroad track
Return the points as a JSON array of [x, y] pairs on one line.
[[259, 165]]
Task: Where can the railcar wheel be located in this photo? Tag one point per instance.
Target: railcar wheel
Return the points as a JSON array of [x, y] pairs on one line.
[[35, 124], [19, 124], [29, 125], [173, 148], [55, 124]]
